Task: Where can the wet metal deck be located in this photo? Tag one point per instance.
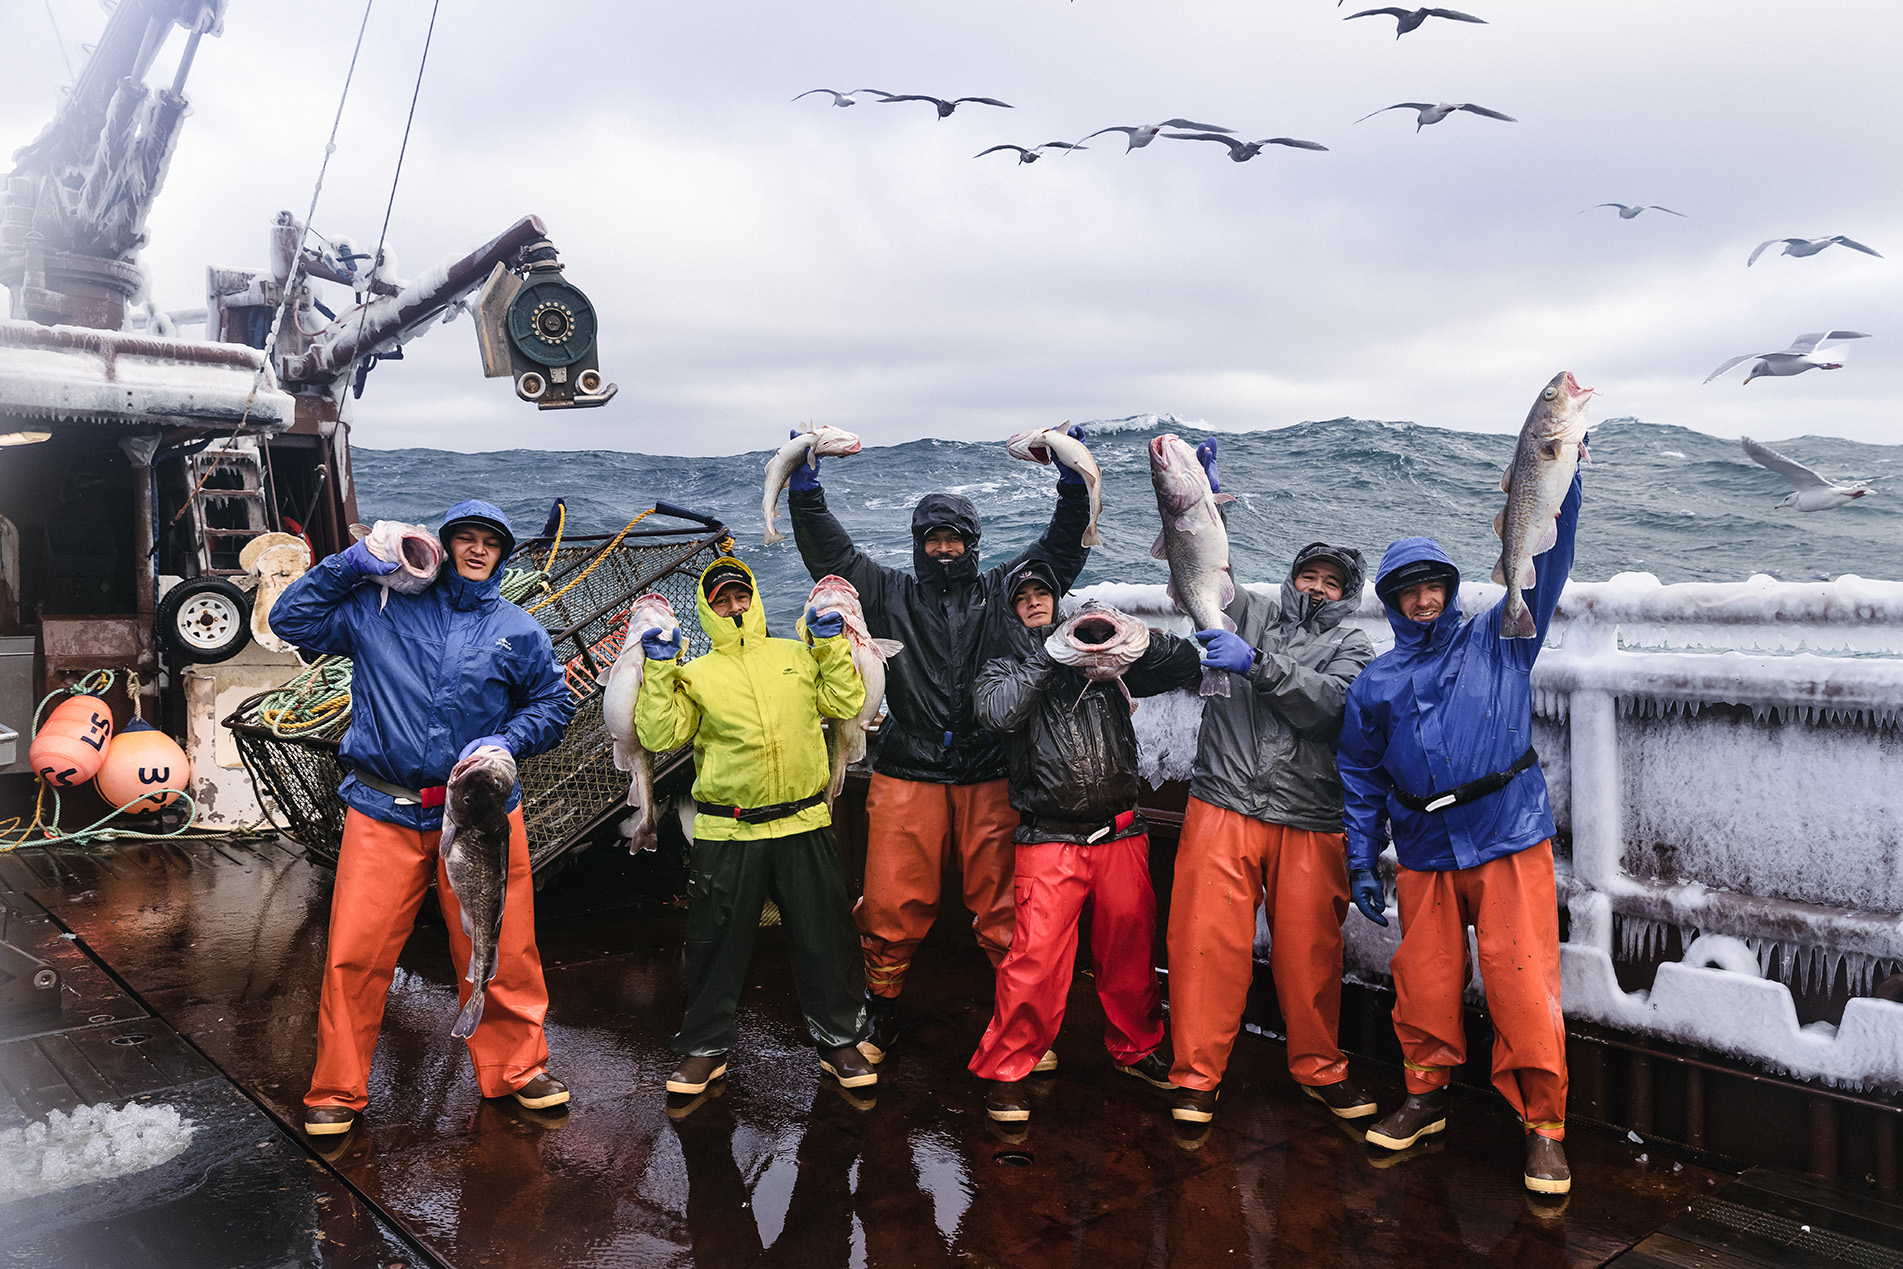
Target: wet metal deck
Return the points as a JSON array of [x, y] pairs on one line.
[[216, 952]]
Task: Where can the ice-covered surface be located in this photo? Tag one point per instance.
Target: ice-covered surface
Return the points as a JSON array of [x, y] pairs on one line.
[[92, 1143], [68, 374], [1722, 761]]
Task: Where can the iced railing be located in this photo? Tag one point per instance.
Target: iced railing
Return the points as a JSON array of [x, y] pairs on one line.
[[1726, 761]]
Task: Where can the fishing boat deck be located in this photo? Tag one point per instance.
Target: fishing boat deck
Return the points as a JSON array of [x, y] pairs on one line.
[[212, 953]]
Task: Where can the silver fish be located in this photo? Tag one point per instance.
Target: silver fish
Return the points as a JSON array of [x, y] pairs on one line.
[[475, 848], [651, 611], [414, 550], [1551, 444], [1047, 443], [846, 739], [809, 446], [1194, 542]]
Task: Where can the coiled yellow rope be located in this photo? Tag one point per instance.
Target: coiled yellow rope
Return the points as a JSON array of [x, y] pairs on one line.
[[600, 555]]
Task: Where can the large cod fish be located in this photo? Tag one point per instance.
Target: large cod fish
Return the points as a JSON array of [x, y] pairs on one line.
[[846, 742], [1194, 542], [475, 849], [651, 611], [1042, 445], [824, 441], [1551, 444], [1100, 643], [414, 550]]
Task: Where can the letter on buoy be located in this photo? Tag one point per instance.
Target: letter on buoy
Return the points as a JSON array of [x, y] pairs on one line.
[[71, 744], [141, 759]]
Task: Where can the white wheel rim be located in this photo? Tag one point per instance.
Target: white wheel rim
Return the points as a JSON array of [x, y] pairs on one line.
[[208, 622]]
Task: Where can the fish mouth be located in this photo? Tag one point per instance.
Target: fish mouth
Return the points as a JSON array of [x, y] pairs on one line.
[[1574, 390], [416, 553], [1094, 631]]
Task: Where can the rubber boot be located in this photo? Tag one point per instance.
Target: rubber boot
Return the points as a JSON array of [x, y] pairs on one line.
[[882, 1027]]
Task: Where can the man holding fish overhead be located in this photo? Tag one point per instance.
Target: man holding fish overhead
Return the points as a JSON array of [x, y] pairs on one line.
[[751, 706], [1436, 748], [1064, 697], [446, 673], [938, 786]]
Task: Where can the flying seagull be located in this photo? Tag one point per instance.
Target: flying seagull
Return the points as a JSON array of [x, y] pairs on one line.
[[1408, 19], [1807, 352], [1809, 247], [1033, 154], [944, 107], [1144, 133], [1627, 213], [839, 98], [1243, 151], [1434, 113], [1813, 493]]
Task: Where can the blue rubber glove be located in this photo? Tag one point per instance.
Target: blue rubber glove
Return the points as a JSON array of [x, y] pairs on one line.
[[658, 648], [806, 475], [358, 556], [1226, 650], [825, 625], [1206, 455], [1369, 894], [481, 742], [1065, 476]]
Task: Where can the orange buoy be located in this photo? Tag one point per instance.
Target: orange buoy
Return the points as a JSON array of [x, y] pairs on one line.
[[142, 759], [71, 744]]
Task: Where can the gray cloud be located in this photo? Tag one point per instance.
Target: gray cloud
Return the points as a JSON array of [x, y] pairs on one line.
[[758, 261]]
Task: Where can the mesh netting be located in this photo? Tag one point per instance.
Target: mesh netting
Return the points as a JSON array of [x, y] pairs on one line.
[[567, 792]]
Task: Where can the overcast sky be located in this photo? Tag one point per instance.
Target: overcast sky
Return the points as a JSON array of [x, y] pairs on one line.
[[757, 261]]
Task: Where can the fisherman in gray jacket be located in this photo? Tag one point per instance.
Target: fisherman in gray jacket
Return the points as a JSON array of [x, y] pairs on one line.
[[1264, 825]]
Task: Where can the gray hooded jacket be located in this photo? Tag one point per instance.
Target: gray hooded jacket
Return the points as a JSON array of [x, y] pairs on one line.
[[1267, 750]]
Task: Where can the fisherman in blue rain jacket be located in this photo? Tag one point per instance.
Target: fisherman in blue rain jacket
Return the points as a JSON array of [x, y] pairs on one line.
[[1436, 746], [434, 677]]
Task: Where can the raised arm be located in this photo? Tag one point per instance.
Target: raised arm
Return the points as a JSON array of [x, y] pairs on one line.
[[1311, 701], [1010, 688], [1364, 783], [1062, 543], [543, 705], [312, 611], [1170, 662]]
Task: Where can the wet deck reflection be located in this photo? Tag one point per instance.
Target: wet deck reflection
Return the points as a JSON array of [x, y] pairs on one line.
[[778, 1166]]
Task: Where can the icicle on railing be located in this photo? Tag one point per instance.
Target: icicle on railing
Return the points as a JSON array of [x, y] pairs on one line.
[[1799, 966]]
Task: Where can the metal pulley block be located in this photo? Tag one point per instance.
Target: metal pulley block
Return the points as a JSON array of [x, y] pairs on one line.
[[539, 329]]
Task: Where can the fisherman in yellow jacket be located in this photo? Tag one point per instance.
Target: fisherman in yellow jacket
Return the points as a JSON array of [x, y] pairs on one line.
[[751, 707]]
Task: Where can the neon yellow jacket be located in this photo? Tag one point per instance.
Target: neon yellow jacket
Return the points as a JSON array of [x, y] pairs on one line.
[[752, 707]]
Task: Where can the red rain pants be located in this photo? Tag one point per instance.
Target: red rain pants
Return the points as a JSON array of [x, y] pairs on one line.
[[1511, 904], [1053, 883], [911, 826], [1226, 865], [382, 871]]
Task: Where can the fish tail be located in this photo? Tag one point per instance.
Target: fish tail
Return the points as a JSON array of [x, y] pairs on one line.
[[1517, 621], [1215, 683], [774, 535], [471, 1014]]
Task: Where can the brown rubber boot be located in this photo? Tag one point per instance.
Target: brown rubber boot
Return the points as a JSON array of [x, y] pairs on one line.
[[1420, 1115], [325, 1121], [1342, 1098], [1194, 1105], [694, 1074], [542, 1092], [1546, 1170], [849, 1065]]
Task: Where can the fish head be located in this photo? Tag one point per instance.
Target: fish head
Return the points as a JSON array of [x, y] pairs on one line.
[[1558, 416], [480, 785], [834, 442], [836, 594], [1028, 446], [652, 611], [1098, 641], [1179, 479]]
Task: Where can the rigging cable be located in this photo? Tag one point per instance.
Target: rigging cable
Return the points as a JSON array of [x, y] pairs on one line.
[[290, 283], [376, 257]]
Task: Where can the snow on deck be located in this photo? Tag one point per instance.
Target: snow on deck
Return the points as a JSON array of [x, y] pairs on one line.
[[69, 374], [1723, 759]]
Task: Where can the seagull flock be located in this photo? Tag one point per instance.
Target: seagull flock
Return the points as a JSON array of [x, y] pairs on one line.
[[1813, 351]]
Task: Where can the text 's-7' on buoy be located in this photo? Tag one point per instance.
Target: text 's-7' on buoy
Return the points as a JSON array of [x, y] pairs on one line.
[[141, 760], [71, 744]]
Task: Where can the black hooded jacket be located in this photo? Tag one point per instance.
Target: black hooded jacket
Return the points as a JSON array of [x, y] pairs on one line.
[[952, 618], [1073, 748]]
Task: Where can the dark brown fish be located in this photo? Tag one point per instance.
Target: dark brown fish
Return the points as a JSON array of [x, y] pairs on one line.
[[475, 848]]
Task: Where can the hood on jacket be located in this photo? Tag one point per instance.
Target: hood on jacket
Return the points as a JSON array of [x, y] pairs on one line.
[[1021, 637], [1354, 574], [729, 633], [1406, 563], [949, 511], [486, 514]]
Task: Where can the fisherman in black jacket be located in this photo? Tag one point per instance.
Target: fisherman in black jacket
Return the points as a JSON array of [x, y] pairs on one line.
[[1080, 839], [938, 784]]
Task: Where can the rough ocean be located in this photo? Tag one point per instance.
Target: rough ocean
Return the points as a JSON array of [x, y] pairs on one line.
[[1664, 500]]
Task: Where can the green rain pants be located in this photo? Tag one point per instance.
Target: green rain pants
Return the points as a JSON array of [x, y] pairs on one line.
[[728, 883]]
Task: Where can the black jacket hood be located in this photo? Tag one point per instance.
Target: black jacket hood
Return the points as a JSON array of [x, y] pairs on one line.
[[948, 511]]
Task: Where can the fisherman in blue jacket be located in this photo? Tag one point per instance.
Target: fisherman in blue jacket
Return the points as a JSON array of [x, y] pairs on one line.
[[434, 677], [1437, 747]]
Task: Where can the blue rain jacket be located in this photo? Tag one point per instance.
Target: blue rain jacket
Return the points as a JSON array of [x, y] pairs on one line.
[[430, 673], [1449, 703]]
